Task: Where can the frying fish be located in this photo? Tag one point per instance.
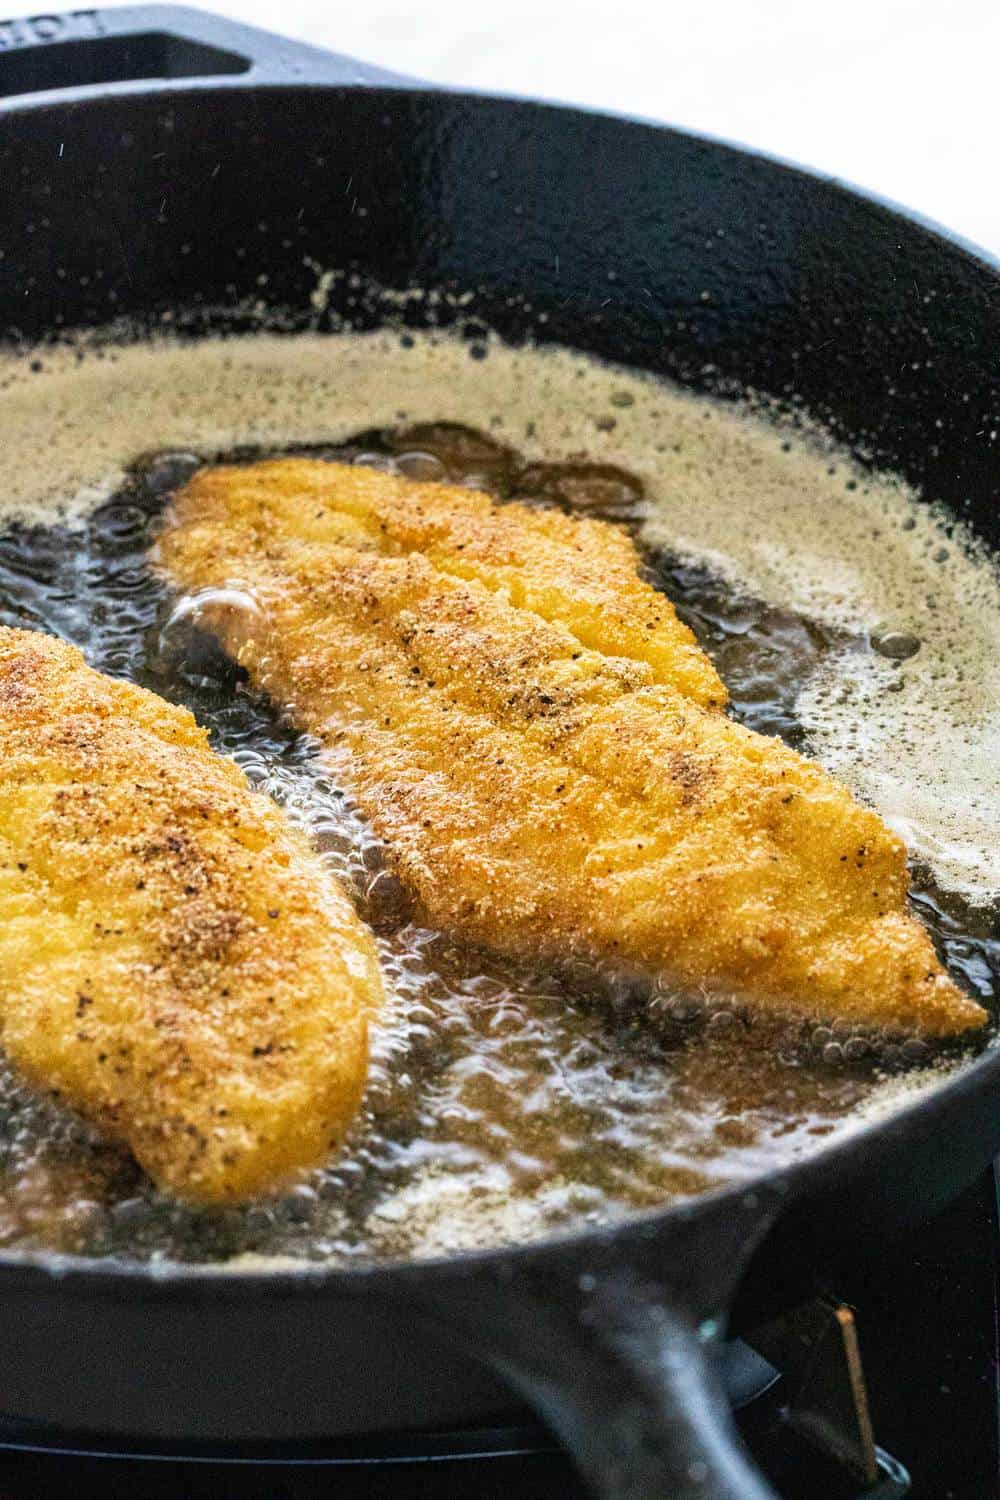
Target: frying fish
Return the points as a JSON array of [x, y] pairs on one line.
[[175, 963], [540, 743]]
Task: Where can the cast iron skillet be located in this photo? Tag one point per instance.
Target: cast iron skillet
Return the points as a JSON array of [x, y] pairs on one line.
[[159, 162]]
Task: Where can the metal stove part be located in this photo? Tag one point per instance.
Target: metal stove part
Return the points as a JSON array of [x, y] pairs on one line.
[[515, 1463], [816, 1348], [518, 1460]]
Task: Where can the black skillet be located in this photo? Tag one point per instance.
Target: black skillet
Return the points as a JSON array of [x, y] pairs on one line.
[[158, 161]]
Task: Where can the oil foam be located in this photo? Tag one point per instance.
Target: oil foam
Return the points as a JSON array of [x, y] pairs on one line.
[[783, 515]]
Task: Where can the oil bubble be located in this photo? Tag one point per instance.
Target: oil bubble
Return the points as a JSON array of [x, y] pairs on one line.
[[424, 467], [187, 642], [721, 1020], [896, 645], [166, 472], [383, 462]]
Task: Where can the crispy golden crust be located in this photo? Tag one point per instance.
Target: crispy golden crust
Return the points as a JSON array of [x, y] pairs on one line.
[[582, 576], [174, 960], [540, 749]]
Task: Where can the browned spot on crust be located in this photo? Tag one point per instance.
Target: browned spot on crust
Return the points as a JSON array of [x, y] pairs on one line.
[[690, 773], [16, 674]]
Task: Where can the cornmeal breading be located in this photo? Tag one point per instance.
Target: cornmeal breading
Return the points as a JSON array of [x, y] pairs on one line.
[[175, 962], [540, 744]]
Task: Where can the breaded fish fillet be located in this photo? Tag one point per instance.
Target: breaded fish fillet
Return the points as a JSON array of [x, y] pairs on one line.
[[540, 745], [175, 962]]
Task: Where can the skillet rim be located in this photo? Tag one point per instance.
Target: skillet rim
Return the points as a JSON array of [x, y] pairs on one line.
[[955, 241], [373, 78], [86, 1276]]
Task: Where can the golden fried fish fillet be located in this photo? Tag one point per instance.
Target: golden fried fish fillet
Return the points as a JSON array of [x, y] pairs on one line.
[[175, 963], [539, 743]]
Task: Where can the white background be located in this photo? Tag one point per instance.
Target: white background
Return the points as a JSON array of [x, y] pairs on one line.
[[902, 96]]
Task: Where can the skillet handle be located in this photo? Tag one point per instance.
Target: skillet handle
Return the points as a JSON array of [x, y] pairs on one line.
[[97, 51], [618, 1361], [631, 1392]]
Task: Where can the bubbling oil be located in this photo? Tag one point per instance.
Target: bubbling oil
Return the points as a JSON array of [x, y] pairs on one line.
[[503, 1103]]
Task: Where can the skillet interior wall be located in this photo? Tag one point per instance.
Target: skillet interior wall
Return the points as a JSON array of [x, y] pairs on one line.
[[215, 207]]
